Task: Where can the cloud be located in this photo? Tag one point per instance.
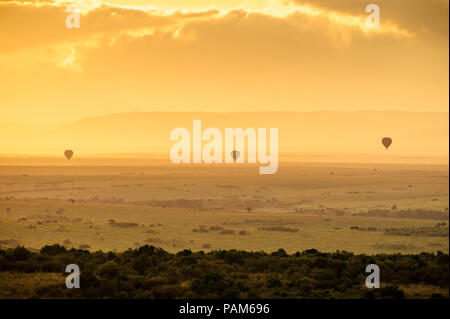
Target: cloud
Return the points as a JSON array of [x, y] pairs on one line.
[[300, 58], [38, 25], [25, 25], [428, 17]]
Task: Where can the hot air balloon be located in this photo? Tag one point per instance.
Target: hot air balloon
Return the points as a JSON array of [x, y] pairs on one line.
[[68, 154], [387, 141], [235, 154]]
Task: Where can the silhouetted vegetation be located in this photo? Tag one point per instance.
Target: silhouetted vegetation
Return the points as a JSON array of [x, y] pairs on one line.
[[410, 213], [151, 272], [113, 223], [419, 231], [279, 228], [363, 228]]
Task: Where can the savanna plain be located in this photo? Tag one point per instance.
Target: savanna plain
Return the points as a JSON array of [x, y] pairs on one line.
[[118, 204]]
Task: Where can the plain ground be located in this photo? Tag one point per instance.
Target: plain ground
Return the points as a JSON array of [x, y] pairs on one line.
[[302, 206]]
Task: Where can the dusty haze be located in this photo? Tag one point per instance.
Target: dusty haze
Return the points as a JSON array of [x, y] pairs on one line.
[[344, 134]]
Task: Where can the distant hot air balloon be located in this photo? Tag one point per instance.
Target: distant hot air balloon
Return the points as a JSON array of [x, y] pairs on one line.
[[235, 154], [68, 154], [387, 141]]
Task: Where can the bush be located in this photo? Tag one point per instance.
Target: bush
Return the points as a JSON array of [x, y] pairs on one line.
[[151, 272], [392, 292], [109, 270], [142, 264], [19, 253], [274, 282], [53, 250]]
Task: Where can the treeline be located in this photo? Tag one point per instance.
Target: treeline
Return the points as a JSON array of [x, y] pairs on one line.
[[151, 272], [409, 213]]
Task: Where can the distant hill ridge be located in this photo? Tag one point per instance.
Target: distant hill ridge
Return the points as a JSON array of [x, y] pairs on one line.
[[318, 131], [358, 131]]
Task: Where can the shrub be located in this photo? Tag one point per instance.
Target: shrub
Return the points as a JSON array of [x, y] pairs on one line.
[[392, 292], [151, 272], [108, 270], [18, 254], [53, 250]]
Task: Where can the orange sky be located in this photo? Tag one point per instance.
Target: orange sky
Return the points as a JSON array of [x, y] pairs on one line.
[[257, 55]]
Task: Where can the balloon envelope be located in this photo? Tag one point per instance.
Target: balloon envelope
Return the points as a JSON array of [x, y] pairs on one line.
[[235, 154], [68, 154], [387, 141]]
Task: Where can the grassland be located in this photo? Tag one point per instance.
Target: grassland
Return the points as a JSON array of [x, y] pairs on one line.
[[324, 206]]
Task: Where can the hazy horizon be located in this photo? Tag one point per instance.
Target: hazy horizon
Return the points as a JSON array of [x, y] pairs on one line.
[[345, 133]]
